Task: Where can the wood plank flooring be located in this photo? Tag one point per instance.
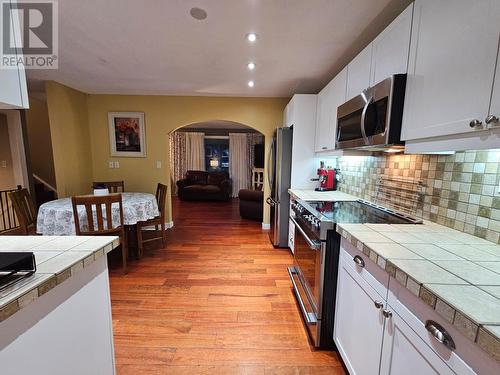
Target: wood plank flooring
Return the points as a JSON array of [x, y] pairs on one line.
[[216, 300]]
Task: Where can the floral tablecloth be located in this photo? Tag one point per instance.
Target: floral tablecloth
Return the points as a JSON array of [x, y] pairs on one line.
[[55, 218]]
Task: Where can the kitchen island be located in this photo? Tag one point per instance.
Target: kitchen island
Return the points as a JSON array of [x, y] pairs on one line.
[[58, 320]]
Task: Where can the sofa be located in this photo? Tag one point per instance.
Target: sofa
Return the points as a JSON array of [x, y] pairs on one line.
[[251, 204], [204, 186]]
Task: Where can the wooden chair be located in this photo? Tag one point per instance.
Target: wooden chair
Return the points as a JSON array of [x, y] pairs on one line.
[[25, 210], [96, 226], [161, 195], [113, 186]]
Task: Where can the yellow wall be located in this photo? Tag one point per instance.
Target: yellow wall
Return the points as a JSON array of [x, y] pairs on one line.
[[7, 172], [70, 137], [164, 114], [40, 144], [72, 127]]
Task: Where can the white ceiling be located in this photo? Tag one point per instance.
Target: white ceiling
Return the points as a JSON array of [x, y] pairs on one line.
[[156, 47]]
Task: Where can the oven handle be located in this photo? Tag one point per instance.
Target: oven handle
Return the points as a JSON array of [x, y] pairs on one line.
[[315, 245], [310, 317], [363, 119]]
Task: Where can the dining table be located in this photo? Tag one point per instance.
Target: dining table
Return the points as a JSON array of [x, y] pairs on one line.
[[55, 218]]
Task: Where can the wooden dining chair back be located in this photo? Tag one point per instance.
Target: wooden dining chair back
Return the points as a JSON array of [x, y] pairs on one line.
[[25, 210], [158, 222], [99, 216], [112, 186]]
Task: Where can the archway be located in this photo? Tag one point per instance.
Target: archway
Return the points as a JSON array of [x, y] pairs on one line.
[[216, 148]]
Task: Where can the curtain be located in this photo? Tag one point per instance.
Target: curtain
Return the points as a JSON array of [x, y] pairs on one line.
[[178, 166], [195, 151], [238, 162]]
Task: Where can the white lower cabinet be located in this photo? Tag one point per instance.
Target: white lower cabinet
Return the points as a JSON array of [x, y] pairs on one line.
[[291, 235], [376, 334], [359, 323]]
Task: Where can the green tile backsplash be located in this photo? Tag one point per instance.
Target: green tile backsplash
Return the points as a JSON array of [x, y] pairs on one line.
[[458, 191]]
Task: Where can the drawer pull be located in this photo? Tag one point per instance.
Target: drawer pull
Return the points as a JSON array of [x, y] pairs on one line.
[[387, 313], [359, 261], [440, 334], [378, 304]]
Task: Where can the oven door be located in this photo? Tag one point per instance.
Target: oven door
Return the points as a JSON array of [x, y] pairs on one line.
[[307, 279]]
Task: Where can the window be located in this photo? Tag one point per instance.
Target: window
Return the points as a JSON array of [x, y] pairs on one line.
[[217, 155]]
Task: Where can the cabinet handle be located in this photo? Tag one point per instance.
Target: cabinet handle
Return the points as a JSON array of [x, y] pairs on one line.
[[440, 334], [387, 313], [324, 148], [475, 124], [378, 304], [492, 120], [359, 261]]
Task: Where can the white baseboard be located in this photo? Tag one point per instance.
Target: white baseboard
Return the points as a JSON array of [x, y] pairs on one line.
[[169, 224], [266, 226]]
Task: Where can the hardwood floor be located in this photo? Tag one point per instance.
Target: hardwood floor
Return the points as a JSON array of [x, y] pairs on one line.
[[217, 300]]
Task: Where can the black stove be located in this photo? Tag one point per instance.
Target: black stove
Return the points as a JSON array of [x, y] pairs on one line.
[[15, 266]]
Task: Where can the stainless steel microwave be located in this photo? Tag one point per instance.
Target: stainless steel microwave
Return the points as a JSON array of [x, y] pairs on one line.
[[372, 120]]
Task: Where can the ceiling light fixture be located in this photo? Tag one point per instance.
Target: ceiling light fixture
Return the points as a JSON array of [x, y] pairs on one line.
[[251, 66], [198, 13], [251, 83], [251, 37]]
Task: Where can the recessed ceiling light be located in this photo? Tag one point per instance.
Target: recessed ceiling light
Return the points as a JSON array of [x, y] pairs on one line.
[[198, 13], [251, 66], [251, 84], [252, 37]]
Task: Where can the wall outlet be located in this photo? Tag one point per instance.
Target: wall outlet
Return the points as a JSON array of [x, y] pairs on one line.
[[111, 164], [117, 164], [158, 164]]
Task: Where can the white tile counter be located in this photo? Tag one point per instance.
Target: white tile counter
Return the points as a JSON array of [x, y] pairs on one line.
[[313, 195], [60, 315]]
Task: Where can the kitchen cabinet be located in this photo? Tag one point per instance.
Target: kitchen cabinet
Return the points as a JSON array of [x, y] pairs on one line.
[[332, 96], [358, 72], [451, 67], [391, 47], [300, 113], [291, 235], [13, 90], [359, 322]]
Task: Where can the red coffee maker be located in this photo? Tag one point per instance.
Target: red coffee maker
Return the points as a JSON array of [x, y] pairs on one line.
[[326, 178]]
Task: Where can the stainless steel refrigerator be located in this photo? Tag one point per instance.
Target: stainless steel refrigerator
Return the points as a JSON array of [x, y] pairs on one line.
[[279, 173]]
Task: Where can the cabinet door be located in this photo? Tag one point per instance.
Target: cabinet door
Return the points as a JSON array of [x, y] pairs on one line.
[[391, 48], [358, 73], [405, 352], [329, 99], [495, 98], [291, 235], [450, 71], [359, 324]]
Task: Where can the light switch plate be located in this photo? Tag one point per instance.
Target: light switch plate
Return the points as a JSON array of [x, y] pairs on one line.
[[158, 164], [111, 164], [117, 164]]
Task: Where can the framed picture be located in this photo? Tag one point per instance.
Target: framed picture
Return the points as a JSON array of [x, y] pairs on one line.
[[127, 135]]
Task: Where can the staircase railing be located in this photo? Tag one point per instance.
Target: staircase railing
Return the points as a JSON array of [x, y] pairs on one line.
[[45, 183], [8, 219]]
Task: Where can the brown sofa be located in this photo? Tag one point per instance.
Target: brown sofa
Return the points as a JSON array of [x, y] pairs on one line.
[[200, 186], [251, 204]]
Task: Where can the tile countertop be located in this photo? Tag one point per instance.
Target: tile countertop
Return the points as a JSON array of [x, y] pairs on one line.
[[456, 274], [313, 195], [57, 259]]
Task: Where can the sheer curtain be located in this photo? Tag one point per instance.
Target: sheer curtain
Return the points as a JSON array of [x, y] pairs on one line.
[[178, 166], [238, 162], [195, 151]]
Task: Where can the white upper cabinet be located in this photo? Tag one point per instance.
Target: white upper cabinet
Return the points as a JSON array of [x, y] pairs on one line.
[[13, 90], [358, 72], [451, 67], [333, 95], [391, 48]]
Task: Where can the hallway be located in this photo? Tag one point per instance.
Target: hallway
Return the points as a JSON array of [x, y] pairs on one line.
[[217, 300]]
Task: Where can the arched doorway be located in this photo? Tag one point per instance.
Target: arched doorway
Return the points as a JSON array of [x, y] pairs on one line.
[[210, 150]]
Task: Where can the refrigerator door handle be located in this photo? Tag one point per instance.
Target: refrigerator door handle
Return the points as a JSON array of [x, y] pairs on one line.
[[270, 166], [270, 201]]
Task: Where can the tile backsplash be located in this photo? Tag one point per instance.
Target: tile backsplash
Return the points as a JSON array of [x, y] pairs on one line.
[[458, 191]]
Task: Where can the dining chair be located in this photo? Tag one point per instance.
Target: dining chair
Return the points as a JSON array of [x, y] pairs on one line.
[[25, 210], [97, 223], [112, 186], [158, 221]]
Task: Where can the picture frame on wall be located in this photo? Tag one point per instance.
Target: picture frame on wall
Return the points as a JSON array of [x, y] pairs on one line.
[[127, 134]]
